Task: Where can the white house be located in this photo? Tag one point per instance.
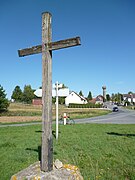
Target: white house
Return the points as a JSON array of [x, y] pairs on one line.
[[129, 97], [74, 98], [99, 99], [61, 93]]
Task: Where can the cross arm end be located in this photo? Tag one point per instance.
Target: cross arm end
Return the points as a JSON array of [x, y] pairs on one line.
[[19, 53], [78, 40]]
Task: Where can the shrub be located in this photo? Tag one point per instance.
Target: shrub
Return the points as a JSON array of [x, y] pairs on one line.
[[89, 105], [3, 101]]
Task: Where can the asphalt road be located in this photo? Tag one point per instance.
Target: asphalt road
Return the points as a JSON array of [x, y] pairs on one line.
[[123, 116]]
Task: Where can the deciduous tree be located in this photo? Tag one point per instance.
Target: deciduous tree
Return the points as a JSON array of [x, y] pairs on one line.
[[17, 94], [28, 94]]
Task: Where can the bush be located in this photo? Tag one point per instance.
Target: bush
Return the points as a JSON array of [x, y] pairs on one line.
[[89, 105]]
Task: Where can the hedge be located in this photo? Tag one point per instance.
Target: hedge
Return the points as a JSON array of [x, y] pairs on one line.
[[89, 105]]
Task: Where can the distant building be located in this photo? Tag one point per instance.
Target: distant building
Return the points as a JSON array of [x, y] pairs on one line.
[[129, 97], [93, 100], [37, 101], [99, 99], [75, 98], [61, 93]]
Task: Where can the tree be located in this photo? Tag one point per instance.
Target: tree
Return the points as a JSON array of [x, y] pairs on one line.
[[61, 100], [113, 97], [130, 92], [28, 94], [89, 96], [117, 98], [64, 86], [108, 98], [17, 94], [80, 93], [3, 101]]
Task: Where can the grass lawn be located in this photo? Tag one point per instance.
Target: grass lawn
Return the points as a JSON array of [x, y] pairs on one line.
[[105, 152]]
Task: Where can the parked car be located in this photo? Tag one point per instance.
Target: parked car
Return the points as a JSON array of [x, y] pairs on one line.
[[115, 109]]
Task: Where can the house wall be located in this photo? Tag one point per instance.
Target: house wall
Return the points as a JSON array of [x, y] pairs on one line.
[[129, 99], [37, 101], [73, 98]]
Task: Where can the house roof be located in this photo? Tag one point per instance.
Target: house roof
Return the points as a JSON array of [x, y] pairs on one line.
[[128, 95], [92, 100], [82, 98], [99, 98]]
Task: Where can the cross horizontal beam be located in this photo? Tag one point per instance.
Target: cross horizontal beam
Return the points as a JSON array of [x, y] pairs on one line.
[[50, 46]]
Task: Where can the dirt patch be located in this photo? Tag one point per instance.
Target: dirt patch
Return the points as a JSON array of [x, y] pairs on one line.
[[6, 119]]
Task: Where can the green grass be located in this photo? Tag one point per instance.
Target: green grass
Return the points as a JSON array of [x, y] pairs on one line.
[[88, 114], [105, 152], [130, 107]]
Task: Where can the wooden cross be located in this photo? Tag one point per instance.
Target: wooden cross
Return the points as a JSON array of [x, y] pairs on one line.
[[46, 50]]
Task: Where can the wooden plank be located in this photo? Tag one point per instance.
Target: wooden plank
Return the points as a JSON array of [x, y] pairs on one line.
[[51, 46], [47, 143], [29, 51], [66, 43]]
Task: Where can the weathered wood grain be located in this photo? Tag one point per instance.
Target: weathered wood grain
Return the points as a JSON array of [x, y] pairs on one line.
[[51, 46], [47, 143]]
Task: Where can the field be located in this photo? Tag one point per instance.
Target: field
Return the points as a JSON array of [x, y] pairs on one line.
[[23, 113], [100, 151], [105, 152]]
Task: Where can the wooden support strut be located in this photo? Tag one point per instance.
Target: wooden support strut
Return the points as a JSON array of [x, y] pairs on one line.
[[50, 46]]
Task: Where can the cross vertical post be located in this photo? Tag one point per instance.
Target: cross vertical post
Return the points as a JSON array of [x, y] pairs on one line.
[[47, 142], [46, 50]]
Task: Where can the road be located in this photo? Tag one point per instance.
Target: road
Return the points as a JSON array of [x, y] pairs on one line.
[[123, 116]]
